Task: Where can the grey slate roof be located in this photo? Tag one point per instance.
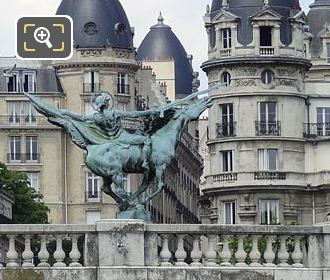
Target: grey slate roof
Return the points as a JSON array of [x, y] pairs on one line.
[[46, 78], [244, 9], [95, 23], [162, 43], [318, 18]]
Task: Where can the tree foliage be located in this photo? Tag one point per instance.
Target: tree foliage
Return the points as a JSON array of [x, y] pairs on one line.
[[28, 207]]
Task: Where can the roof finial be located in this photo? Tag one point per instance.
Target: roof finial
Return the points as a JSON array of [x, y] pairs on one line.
[[225, 4], [266, 3], [160, 18]]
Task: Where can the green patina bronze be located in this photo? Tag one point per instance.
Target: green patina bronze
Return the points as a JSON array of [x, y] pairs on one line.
[[113, 151]]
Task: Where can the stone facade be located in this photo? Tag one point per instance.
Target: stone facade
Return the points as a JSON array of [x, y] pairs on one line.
[[268, 132], [55, 166]]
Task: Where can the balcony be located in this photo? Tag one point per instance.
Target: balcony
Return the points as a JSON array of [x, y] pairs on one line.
[[268, 128], [225, 52], [23, 158], [267, 51], [122, 89], [225, 177], [25, 121], [93, 196], [226, 130], [91, 87], [316, 130], [269, 175]]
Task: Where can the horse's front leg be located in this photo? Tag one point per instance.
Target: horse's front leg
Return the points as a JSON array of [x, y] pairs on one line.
[[126, 201], [143, 187], [160, 176]]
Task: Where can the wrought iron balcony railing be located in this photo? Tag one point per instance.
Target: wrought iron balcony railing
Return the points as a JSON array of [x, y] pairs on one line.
[[123, 89], [23, 158], [91, 87], [225, 177], [226, 130], [316, 130], [27, 120], [269, 175], [268, 128]]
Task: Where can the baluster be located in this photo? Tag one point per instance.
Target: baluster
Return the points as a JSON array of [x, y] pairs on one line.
[[75, 254], [196, 253], [225, 253], [240, 254], [165, 254], [211, 254], [269, 255], [283, 254], [43, 254], [255, 254], [12, 256], [297, 255], [180, 253], [27, 255], [59, 254]]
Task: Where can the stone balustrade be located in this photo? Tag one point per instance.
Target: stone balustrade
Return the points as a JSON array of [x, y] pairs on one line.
[[134, 250]]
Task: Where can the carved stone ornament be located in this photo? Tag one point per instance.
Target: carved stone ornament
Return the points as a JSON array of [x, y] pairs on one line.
[[93, 52]]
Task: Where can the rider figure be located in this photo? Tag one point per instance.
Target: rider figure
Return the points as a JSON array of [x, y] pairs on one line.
[[111, 119]]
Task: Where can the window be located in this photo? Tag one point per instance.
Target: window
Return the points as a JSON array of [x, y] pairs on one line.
[[33, 179], [25, 82], [93, 186], [21, 112], [265, 36], [227, 161], [31, 148], [227, 120], [323, 121], [267, 77], [226, 38], [127, 183], [15, 148], [122, 83], [29, 82], [269, 211], [91, 81], [267, 159], [230, 212], [267, 118], [12, 83], [328, 52], [225, 78]]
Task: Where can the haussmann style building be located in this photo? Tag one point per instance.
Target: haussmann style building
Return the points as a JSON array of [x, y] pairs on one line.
[[269, 130]]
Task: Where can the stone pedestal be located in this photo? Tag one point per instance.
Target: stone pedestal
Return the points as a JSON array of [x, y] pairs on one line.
[[121, 243]]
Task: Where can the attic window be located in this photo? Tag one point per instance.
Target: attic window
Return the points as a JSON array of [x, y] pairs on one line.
[[265, 36], [90, 28]]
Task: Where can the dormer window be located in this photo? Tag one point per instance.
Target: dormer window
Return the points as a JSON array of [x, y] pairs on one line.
[[265, 36], [22, 82], [226, 38]]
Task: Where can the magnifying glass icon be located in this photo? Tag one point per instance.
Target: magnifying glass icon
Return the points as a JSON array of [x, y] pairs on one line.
[[42, 35]]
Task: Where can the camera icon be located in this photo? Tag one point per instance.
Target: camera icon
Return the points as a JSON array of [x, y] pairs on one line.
[[44, 38]]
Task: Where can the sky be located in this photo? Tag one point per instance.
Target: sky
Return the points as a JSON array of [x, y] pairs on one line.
[[184, 16]]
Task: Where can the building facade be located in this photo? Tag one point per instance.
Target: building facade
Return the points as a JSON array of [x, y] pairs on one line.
[[104, 59], [268, 141]]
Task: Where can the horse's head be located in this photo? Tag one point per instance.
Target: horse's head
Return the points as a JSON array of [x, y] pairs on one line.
[[193, 111]]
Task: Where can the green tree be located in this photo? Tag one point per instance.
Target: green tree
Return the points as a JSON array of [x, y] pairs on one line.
[[28, 207]]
